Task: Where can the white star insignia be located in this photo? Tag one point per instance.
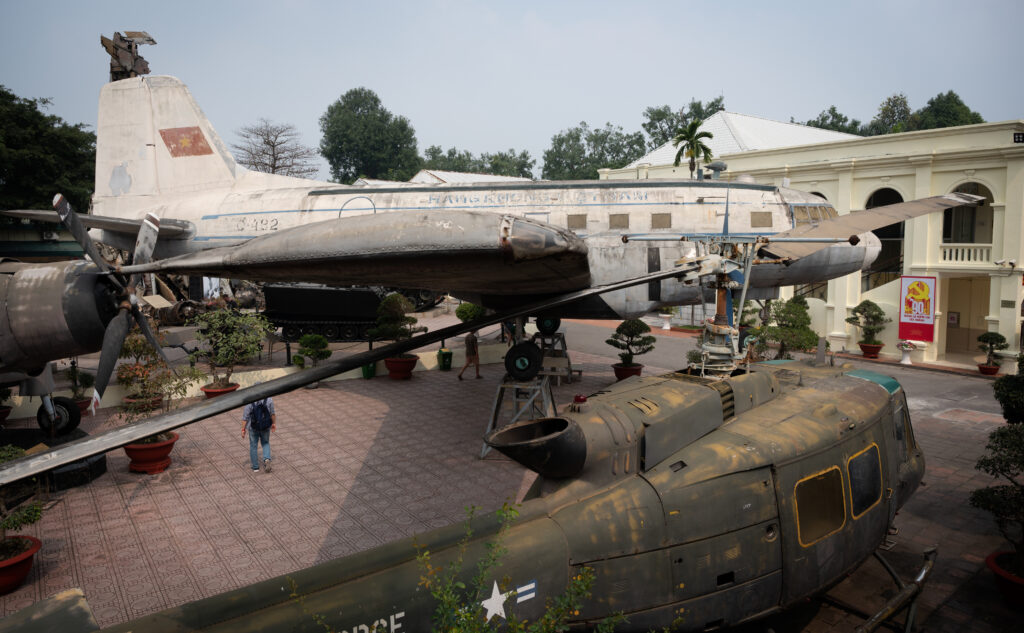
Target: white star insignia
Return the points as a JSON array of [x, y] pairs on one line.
[[495, 605]]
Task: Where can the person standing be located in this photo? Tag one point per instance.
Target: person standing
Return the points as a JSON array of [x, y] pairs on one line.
[[259, 419], [472, 354]]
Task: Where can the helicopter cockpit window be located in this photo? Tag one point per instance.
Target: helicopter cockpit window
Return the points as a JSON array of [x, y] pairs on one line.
[[820, 506], [865, 480]]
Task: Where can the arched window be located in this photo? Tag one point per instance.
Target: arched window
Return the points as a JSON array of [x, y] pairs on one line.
[[889, 264], [969, 225]]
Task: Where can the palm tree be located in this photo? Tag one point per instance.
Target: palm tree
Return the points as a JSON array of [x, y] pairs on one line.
[[688, 140]]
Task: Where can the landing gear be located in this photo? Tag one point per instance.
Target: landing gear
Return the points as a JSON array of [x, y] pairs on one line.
[[66, 417], [548, 325], [523, 360]]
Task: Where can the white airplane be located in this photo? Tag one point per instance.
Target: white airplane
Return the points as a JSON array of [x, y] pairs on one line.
[[498, 245]]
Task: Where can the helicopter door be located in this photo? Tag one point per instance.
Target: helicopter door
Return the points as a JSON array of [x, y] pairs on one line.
[[831, 508]]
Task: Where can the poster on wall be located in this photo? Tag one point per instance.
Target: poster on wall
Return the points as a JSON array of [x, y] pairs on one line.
[[917, 308]]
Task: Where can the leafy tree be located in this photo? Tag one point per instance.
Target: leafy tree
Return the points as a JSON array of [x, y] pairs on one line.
[[661, 123], [362, 138], [41, 155], [832, 119], [452, 160], [943, 110], [577, 153], [789, 325], [274, 149], [632, 337], [509, 163], [690, 144], [893, 115]]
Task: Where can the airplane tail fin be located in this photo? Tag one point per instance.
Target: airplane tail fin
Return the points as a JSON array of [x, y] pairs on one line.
[[153, 140]]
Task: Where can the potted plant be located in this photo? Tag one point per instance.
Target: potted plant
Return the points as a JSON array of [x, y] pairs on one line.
[[789, 325], [226, 338], [1009, 391], [81, 381], [151, 385], [1004, 458], [17, 509], [905, 348], [395, 324], [630, 336], [871, 319], [5, 409], [991, 342], [139, 374], [313, 347]]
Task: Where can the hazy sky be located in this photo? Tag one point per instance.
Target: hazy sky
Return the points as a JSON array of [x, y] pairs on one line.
[[487, 76]]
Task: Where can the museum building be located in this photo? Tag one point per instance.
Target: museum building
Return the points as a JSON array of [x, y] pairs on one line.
[[976, 255]]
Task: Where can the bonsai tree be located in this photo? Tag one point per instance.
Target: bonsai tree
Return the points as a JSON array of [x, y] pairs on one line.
[[992, 342], [17, 508], [1009, 391], [313, 347], [139, 376], [228, 337], [81, 380], [789, 325], [469, 311], [871, 319], [1004, 458], [394, 322], [631, 336]]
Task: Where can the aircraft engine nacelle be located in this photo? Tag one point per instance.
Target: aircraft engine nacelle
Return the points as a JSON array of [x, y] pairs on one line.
[[634, 425], [51, 311]]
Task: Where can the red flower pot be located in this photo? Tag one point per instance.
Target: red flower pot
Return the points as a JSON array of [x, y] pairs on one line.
[[14, 570], [625, 371], [150, 458], [1010, 586], [83, 405], [988, 370], [213, 392], [400, 368], [869, 350]]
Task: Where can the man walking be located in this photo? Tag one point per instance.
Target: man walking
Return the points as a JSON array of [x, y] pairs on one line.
[[259, 419], [472, 354]]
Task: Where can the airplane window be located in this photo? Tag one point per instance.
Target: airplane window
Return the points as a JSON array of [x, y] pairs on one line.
[[618, 220], [865, 480], [661, 220], [576, 221], [820, 506], [800, 216]]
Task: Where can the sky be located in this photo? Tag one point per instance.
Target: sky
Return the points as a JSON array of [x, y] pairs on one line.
[[487, 76]]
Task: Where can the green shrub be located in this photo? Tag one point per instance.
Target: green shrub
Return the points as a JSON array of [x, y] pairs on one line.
[[789, 325], [313, 347], [1004, 458], [469, 311], [631, 336], [1009, 391], [871, 319], [228, 337], [992, 342]]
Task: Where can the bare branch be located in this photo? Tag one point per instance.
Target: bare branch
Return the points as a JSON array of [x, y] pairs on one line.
[[274, 149]]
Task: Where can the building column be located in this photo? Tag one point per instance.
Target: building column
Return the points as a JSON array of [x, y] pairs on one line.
[[922, 239], [1006, 290], [844, 292]]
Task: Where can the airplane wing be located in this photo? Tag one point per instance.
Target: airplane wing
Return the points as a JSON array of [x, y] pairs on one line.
[[451, 251], [108, 440], [169, 228], [862, 222]]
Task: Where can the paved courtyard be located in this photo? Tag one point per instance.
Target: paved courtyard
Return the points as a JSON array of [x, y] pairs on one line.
[[359, 463]]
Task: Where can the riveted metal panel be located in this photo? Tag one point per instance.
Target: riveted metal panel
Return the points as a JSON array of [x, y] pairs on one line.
[[723, 504], [626, 519], [721, 562], [751, 390], [629, 583]]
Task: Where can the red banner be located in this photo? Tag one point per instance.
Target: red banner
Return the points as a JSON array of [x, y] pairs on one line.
[[917, 308]]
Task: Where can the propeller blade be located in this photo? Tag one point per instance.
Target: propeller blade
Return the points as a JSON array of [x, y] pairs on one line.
[[144, 246], [81, 234], [113, 338], [143, 322]]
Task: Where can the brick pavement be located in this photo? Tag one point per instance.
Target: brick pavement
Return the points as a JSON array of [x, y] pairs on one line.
[[360, 463]]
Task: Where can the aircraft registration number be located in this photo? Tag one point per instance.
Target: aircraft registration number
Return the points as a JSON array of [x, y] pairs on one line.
[[251, 225]]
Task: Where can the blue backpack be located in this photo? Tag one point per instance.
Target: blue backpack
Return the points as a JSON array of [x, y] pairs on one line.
[[259, 417]]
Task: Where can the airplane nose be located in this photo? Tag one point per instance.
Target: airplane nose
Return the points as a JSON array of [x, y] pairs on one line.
[[872, 248]]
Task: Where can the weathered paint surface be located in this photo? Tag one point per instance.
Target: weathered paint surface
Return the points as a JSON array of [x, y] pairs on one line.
[[707, 536]]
